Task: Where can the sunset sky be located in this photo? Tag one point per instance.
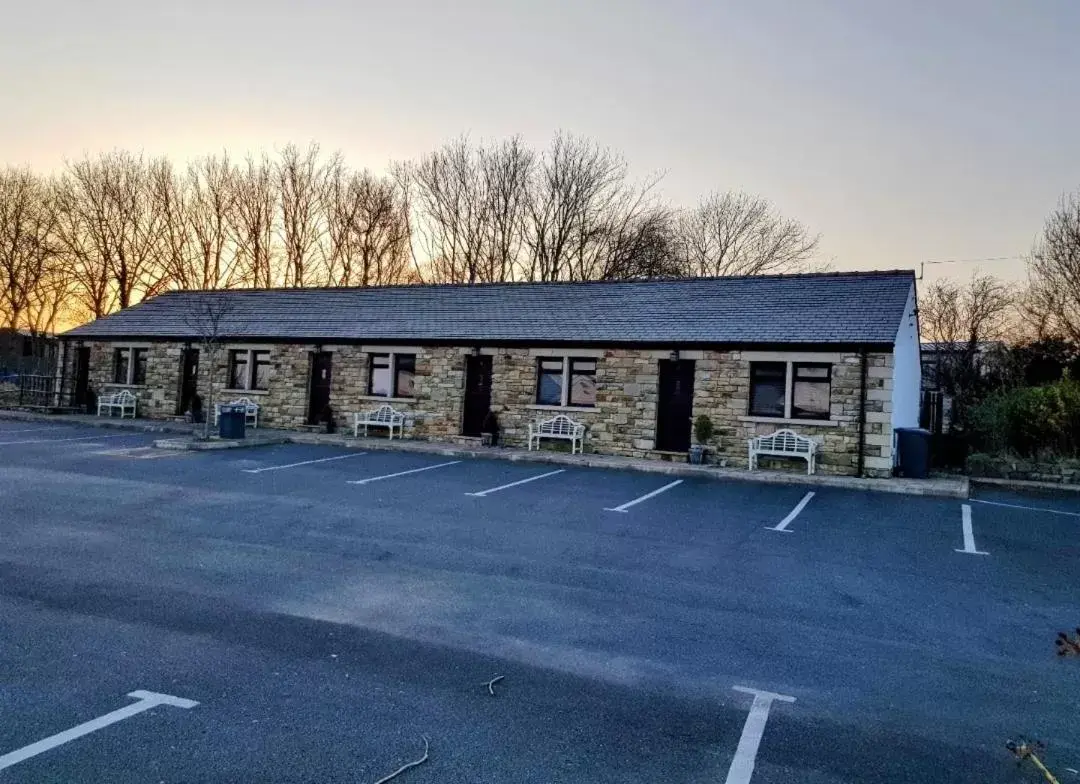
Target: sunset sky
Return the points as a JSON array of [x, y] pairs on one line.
[[902, 131]]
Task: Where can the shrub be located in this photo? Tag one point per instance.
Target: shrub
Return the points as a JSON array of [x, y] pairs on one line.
[[703, 429], [1030, 421]]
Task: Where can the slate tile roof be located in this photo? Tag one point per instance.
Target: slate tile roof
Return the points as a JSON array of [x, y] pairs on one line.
[[856, 307]]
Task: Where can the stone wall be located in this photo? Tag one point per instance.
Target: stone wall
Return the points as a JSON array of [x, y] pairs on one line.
[[623, 421]]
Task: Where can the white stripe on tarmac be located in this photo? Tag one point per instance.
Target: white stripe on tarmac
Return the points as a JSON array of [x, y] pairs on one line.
[[66, 440], [1026, 508], [742, 765], [146, 701], [489, 491], [36, 430], [645, 497], [969, 533], [402, 473], [301, 463], [782, 526]]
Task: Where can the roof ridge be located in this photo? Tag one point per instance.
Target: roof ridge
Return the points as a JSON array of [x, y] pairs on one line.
[[555, 283]]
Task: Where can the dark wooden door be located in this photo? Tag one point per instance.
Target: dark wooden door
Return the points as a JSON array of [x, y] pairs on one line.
[[189, 380], [674, 405], [477, 394], [321, 367], [82, 376]]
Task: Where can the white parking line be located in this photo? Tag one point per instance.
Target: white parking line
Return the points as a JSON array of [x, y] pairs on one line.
[[66, 440], [146, 701], [1026, 508], [488, 492], [742, 765], [969, 533], [301, 463], [35, 430], [402, 473], [646, 497], [782, 526]]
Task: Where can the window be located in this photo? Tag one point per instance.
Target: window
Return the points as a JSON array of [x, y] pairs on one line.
[[121, 365], [810, 391], [566, 381], [129, 365], [260, 370], [249, 369], [138, 366], [238, 369], [768, 388], [392, 375], [790, 390], [583, 382], [549, 382]]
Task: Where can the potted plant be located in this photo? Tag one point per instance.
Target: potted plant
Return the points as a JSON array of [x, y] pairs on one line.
[[489, 430], [703, 433]]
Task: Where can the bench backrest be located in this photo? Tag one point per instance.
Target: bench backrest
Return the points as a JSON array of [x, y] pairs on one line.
[[560, 425], [124, 396], [383, 414], [785, 440], [243, 401]]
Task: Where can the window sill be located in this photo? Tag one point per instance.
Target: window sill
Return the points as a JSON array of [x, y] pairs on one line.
[[245, 392], [114, 385], [782, 421], [384, 399], [538, 407]]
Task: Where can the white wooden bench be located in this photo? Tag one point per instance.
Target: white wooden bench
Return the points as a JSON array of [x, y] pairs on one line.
[[383, 416], [784, 443], [251, 411], [122, 401], [560, 427]]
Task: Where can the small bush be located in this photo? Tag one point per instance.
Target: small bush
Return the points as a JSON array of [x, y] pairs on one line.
[[1030, 421], [703, 429]]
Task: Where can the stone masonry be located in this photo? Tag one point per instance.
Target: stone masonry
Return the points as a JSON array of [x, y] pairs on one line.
[[623, 421]]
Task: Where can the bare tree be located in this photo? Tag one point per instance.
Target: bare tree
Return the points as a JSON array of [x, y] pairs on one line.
[[366, 239], [253, 221], [1052, 304], [962, 319], [740, 234], [505, 173], [113, 208], [207, 317], [301, 180], [572, 193], [212, 197], [171, 201], [28, 248]]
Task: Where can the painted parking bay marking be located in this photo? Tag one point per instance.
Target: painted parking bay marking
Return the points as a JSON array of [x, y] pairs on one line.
[[66, 440], [402, 473], [301, 463], [782, 526], [145, 701], [646, 497], [969, 533], [490, 490], [742, 765], [1026, 508]]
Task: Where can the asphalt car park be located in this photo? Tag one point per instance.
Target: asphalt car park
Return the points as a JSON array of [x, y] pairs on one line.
[[327, 609]]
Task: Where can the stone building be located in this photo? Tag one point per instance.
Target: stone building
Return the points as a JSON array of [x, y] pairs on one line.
[[831, 356]]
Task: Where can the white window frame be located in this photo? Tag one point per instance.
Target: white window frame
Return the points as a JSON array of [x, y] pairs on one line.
[[249, 379], [789, 388], [564, 401], [130, 349]]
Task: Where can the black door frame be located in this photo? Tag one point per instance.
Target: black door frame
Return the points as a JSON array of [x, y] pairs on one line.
[[81, 381], [315, 407], [680, 440], [476, 363]]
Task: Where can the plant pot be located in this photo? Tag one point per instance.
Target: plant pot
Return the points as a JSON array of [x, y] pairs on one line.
[[696, 455], [487, 439]]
